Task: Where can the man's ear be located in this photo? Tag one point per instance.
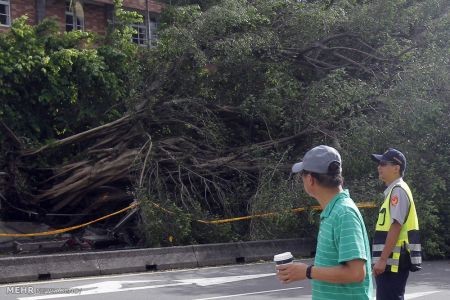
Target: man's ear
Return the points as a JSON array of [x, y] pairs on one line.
[[398, 169], [311, 180]]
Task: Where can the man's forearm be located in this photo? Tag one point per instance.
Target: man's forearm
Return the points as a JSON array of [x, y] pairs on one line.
[[341, 274], [391, 240]]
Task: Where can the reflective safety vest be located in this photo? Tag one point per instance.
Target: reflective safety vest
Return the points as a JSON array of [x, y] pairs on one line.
[[409, 237]]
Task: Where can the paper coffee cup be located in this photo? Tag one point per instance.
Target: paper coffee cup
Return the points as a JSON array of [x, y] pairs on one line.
[[283, 258]]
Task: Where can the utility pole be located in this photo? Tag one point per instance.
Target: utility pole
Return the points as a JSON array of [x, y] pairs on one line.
[[149, 30], [40, 10]]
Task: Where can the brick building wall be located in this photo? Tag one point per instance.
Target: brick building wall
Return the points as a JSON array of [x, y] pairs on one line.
[[19, 8], [56, 9], [95, 11], [141, 4], [95, 18], [153, 6], [23, 7]]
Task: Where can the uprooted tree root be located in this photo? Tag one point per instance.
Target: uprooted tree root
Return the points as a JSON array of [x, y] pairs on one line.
[[168, 149]]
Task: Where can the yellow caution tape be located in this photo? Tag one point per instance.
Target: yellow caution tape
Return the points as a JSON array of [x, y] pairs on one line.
[[135, 204], [62, 230], [271, 214]]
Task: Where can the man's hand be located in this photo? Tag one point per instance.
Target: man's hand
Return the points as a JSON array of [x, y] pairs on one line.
[[291, 272], [379, 267], [391, 240]]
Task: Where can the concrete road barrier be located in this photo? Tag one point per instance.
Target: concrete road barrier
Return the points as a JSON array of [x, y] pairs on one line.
[[52, 266], [265, 250], [151, 259], [43, 267], [217, 254]]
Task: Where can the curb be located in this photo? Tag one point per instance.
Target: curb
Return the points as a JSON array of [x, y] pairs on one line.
[[54, 266]]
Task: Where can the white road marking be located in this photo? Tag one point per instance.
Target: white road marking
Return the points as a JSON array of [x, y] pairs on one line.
[[102, 288], [222, 280], [247, 294], [117, 286], [96, 277], [407, 296], [420, 294]]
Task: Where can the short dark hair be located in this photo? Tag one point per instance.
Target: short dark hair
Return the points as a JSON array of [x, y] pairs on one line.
[[402, 168], [330, 180]]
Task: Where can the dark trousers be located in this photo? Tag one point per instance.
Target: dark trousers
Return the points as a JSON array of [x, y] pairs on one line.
[[391, 286]]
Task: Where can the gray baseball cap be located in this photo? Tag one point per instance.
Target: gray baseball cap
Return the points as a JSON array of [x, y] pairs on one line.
[[317, 160]]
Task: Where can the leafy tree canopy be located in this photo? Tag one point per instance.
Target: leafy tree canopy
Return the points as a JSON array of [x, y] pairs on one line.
[[236, 91]]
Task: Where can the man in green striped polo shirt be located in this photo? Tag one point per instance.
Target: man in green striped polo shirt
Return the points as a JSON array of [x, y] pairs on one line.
[[342, 265]]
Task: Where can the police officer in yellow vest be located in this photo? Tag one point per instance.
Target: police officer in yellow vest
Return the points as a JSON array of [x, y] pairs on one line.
[[396, 248]]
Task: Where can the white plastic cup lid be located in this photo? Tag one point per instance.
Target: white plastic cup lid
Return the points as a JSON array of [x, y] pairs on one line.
[[286, 256]]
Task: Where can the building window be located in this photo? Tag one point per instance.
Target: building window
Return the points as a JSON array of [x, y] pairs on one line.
[[140, 36], [153, 36], [5, 14], [74, 15]]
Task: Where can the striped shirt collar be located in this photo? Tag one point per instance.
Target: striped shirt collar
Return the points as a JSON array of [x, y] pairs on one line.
[[327, 211]]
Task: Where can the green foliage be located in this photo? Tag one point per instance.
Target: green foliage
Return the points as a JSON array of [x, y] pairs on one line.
[[164, 226], [204, 4], [339, 100], [358, 75], [213, 233], [280, 196], [424, 135], [121, 33], [54, 84], [167, 223], [414, 114], [390, 92]]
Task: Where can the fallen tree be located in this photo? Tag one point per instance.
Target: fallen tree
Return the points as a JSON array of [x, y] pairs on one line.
[[208, 123], [127, 151]]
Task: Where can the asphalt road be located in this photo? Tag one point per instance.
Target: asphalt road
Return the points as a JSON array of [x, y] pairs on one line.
[[252, 281]]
